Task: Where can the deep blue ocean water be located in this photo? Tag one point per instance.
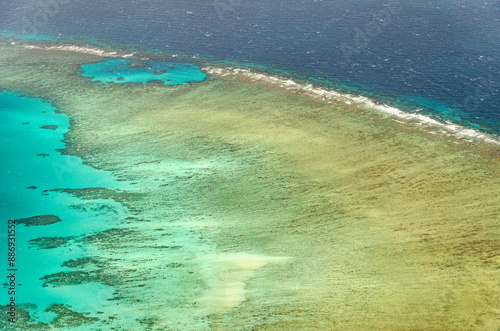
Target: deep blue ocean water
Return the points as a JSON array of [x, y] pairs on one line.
[[441, 55]]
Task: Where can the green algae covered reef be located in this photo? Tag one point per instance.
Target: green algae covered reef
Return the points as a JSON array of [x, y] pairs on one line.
[[252, 207]]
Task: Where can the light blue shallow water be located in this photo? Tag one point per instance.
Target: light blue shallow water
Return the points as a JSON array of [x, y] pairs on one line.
[[30, 159], [142, 71]]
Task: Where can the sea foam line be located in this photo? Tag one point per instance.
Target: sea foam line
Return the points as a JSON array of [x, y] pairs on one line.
[[447, 128], [79, 49]]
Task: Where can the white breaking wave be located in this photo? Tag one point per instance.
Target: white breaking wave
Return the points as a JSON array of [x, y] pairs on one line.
[[79, 49], [447, 128]]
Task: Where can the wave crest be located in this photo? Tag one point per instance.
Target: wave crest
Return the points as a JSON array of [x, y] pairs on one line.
[[80, 49], [330, 96]]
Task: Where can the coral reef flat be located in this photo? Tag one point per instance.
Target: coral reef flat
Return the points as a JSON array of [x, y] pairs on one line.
[[252, 207]]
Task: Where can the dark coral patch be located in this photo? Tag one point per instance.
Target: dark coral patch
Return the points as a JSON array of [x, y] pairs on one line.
[[39, 220], [139, 63], [49, 127], [50, 242]]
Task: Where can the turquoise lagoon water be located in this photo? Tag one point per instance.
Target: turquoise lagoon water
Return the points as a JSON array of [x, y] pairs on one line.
[[31, 166], [142, 71], [26, 36], [32, 134]]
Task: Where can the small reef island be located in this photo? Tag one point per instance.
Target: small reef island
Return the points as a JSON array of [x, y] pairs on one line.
[[188, 196]]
